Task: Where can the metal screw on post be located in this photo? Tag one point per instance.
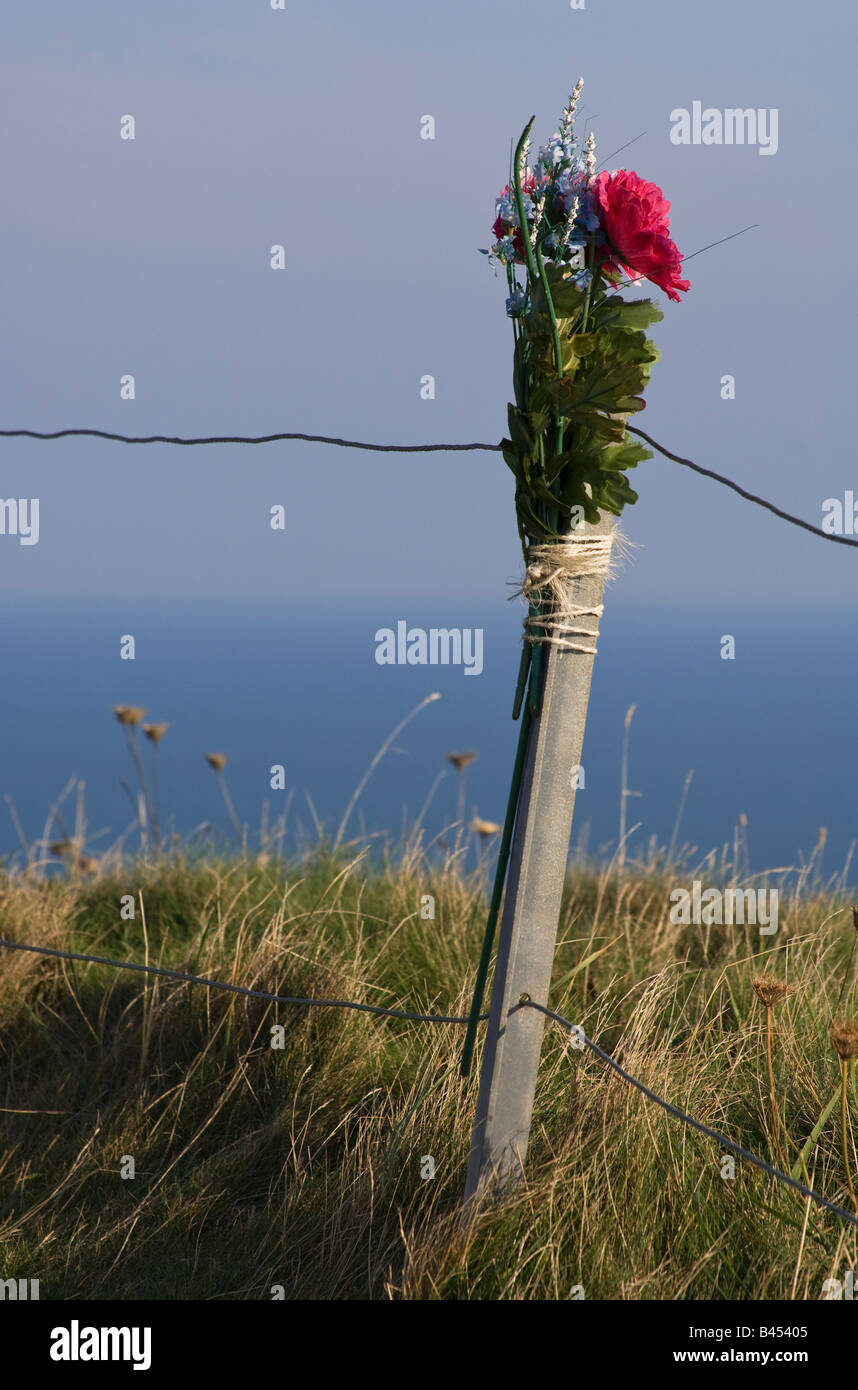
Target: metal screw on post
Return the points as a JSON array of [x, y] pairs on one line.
[[528, 933]]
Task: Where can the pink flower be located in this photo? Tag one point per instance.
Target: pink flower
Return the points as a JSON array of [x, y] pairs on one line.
[[633, 216]]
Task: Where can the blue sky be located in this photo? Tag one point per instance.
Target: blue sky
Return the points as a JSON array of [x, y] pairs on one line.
[[301, 127]]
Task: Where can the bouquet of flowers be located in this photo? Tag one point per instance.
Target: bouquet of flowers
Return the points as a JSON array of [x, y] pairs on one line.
[[569, 238]]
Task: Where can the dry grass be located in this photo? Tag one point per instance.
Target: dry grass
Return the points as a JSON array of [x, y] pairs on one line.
[[301, 1166]]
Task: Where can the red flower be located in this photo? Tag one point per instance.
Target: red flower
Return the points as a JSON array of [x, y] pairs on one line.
[[633, 216], [502, 228]]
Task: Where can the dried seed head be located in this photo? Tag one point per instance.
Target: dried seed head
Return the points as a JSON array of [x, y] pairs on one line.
[[87, 864], [569, 113], [216, 760], [844, 1038], [590, 157], [485, 828], [128, 714], [155, 732], [460, 760], [855, 916], [770, 991], [60, 847], [743, 819]]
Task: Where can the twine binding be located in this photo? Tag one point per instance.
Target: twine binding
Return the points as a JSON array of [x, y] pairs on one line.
[[554, 620]]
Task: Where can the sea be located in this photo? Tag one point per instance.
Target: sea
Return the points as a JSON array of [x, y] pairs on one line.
[[740, 710]]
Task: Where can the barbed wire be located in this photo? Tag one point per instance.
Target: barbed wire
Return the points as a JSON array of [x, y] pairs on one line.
[[417, 449], [689, 1119], [252, 439], [449, 1018], [235, 989], [749, 496]]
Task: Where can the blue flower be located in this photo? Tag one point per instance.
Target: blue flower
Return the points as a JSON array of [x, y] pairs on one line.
[[556, 151], [587, 215], [516, 303], [571, 180], [507, 211]]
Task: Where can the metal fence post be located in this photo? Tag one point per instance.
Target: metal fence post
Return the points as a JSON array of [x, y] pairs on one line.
[[529, 925]]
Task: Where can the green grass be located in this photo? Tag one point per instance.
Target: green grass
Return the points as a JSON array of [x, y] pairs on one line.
[[301, 1167]]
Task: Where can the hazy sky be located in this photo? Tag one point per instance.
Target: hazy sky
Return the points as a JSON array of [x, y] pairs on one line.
[[302, 127]]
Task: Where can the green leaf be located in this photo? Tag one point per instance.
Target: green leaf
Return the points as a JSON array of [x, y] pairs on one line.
[[531, 523], [519, 374], [604, 374], [575, 495], [567, 298], [557, 462], [621, 456], [539, 489], [616, 492], [602, 427], [627, 345], [551, 397], [519, 430], [573, 350], [511, 457], [605, 387], [637, 313]]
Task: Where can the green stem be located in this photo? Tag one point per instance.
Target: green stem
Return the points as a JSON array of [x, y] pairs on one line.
[[497, 893], [848, 975], [589, 291], [800, 1166], [519, 201], [396, 1135], [524, 667], [534, 689], [844, 1131], [558, 351], [156, 799], [558, 355], [512, 286], [130, 732], [775, 1116]]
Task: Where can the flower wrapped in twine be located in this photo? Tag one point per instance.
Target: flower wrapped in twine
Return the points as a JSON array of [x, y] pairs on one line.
[[554, 619]]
